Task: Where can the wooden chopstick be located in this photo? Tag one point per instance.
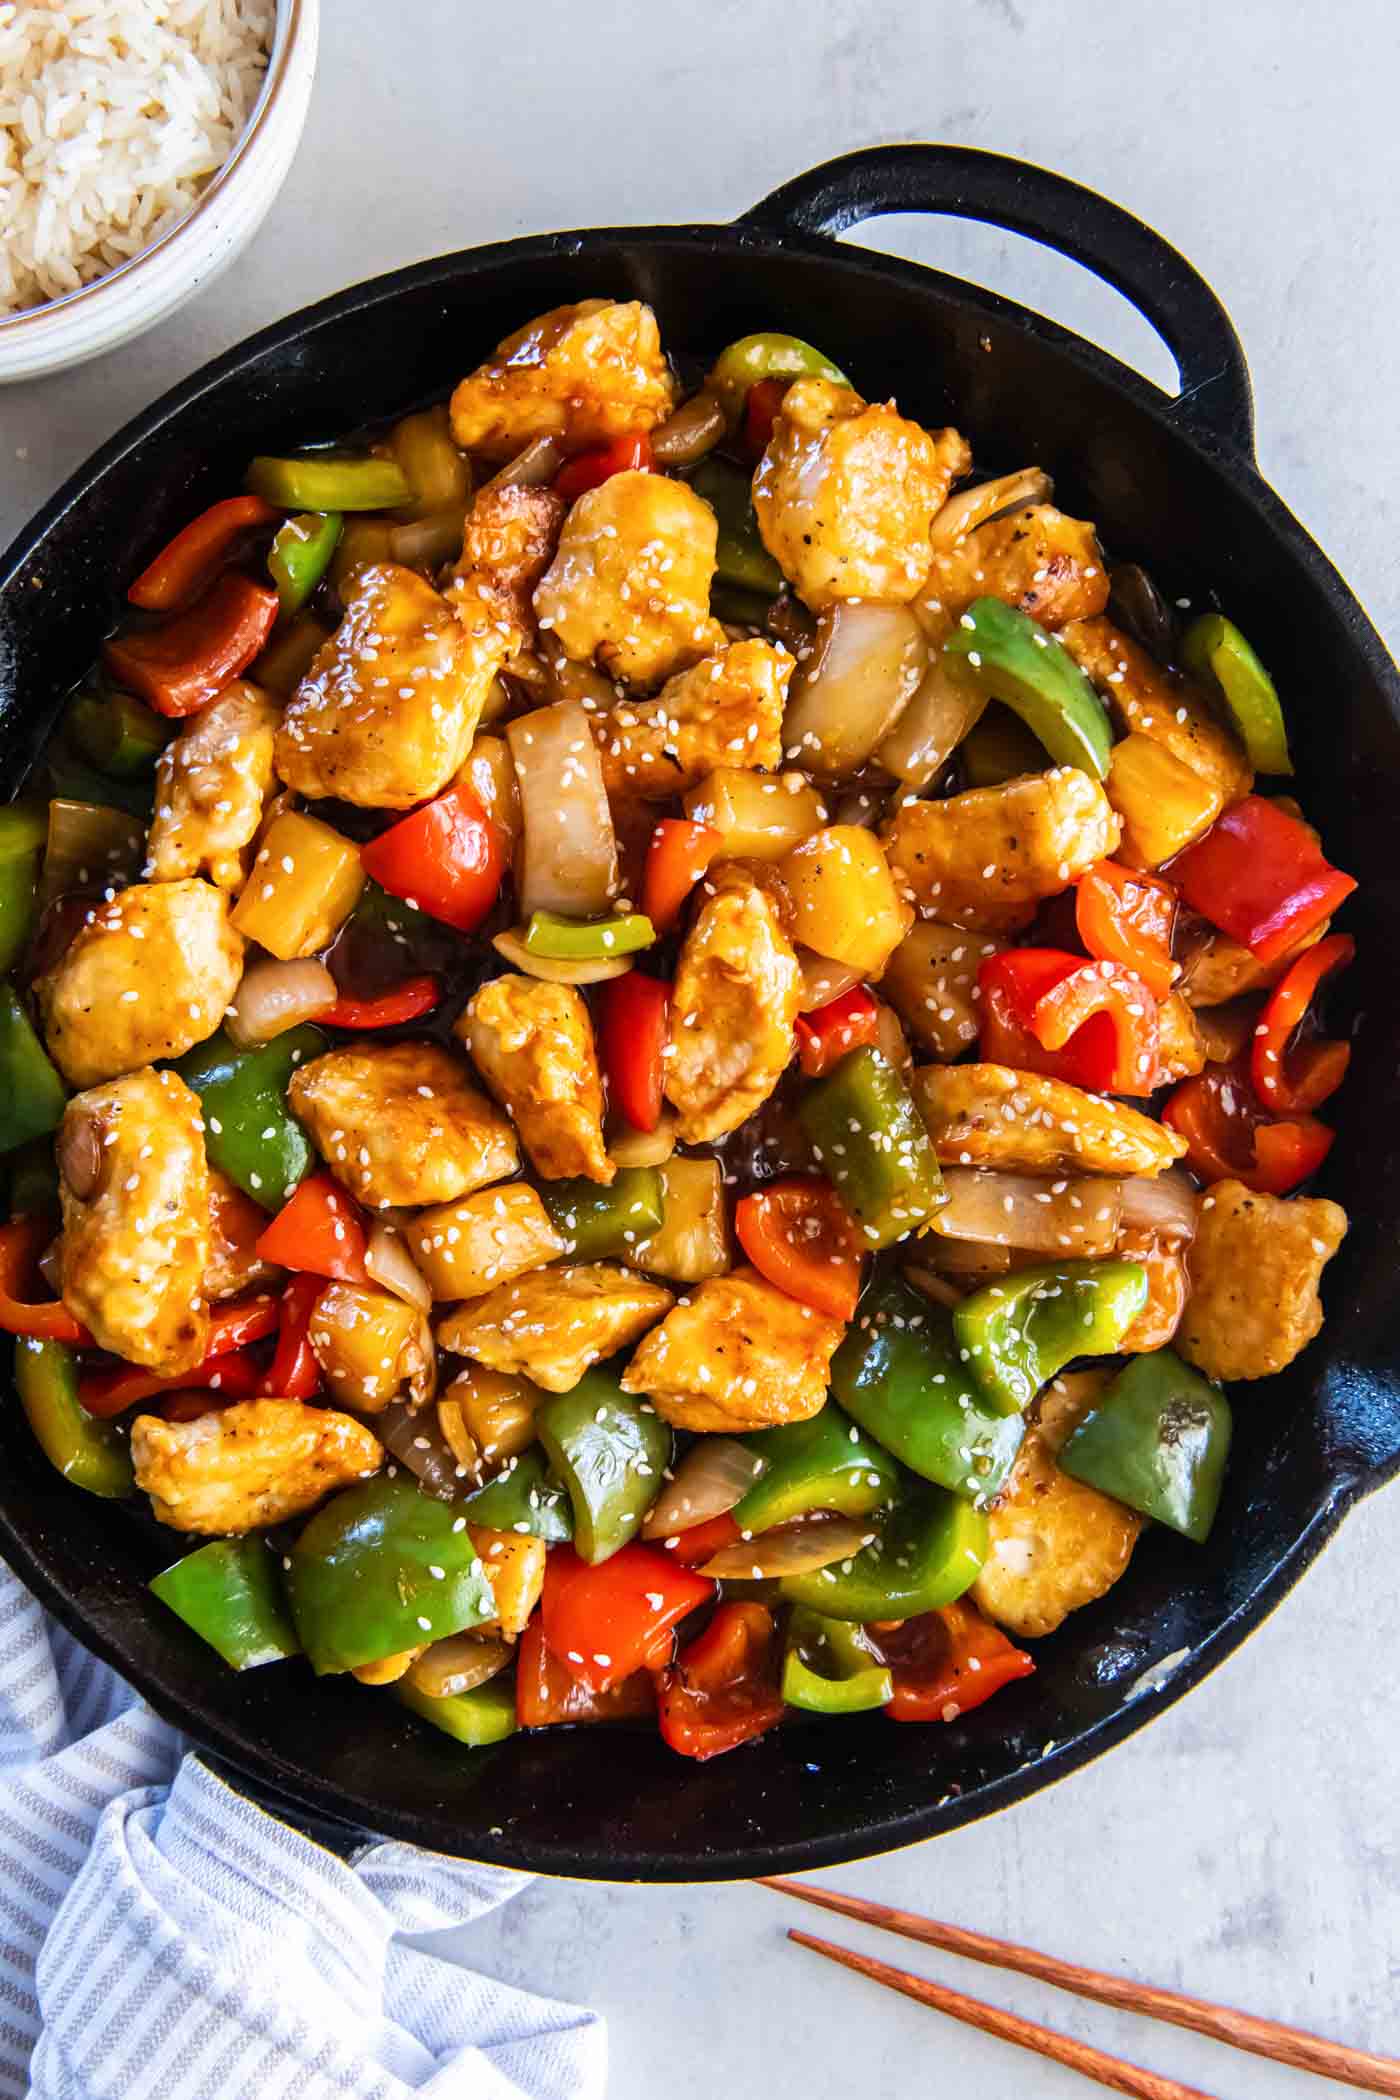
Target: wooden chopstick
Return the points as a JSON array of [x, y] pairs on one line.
[[1111, 2071], [1293, 2046]]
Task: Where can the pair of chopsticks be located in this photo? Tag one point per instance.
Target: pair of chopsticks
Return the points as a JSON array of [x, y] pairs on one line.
[[1285, 2045]]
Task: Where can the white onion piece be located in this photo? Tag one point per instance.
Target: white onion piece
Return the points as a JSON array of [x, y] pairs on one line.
[[417, 1442], [823, 980], [530, 469], [936, 1287], [456, 1435], [388, 1262], [976, 506], [931, 727], [79, 1153], [695, 429], [791, 1549], [644, 1148], [971, 1259], [554, 970], [50, 1266], [458, 1664], [853, 688], [714, 1475], [1168, 1205], [566, 860], [275, 996], [1060, 1217]]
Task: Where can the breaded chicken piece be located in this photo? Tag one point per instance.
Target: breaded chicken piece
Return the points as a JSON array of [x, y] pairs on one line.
[[1042, 562], [736, 1354], [984, 1115], [1054, 1544], [1256, 1264], [236, 1223], [213, 782], [590, 372], [554, 1323], [1222, 969], [724, 711], [1159, 704], [508, 543], [985, 859], [532, 1043], [135, 1193], [250, 1465], [931, 982], [1164, 1261], [630, 584], [734, 1007], [845, 494], [1181, 1050], [386, 714], [151, 974], [401, 1125]]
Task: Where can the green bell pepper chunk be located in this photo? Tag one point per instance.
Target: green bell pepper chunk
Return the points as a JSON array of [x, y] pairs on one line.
[[1015, 1334], [605, 1224], [870, 1139], [300, 555], [229, 1593], [610, 1450], [766, 356], [587, 940], [523, 1498], [24, 826], [927, 1551], [822, 1463], [381, 1568], [1158, 1440], [92, 1454], [249, 1132], [72, 779], [486, 1714], [740, 555], [1003, 652], [1217, 652], [329, 481], [737, 607], [900, 1374], [119, 735], [830, 1668], [32, 1096], [34, 1181]]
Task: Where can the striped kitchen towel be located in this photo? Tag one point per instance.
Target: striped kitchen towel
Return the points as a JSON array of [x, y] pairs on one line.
[[162, 1938]]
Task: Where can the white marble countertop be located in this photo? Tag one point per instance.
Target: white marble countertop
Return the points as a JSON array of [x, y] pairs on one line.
[[1247, 1846]]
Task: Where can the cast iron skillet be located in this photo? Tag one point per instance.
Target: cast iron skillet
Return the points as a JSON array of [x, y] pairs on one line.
[[1172, 483]]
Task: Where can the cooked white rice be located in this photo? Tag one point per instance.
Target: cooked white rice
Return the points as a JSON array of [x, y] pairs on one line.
[[114, 114]]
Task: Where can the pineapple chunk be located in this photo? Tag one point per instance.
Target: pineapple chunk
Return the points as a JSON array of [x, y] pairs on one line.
[[844, 901], [306, 881], [1161, 803], [515, 1565]]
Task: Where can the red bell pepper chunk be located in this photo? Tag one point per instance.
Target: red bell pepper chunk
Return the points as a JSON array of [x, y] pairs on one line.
[[603, 1623], [1260, 875], [319, 1230], [632, 1014], [191, 558], [294, 1373], [1124, 916], [546, 1694], [826, 1034], [21, 1242], [408, 1001], [679, 853], [181, 665], [1229, 1136], [588, 470], [447, 857], [799, 1236], [702, 1542], [1089, 1024], [761, 406], [224, 1370], [1294, 1078], [724, 1689], [947, 1662]]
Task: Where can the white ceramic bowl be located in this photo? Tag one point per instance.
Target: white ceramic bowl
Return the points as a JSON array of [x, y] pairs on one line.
[[152, 284]]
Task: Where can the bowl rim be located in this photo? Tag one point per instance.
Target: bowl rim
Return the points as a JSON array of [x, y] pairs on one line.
[[289, 21]]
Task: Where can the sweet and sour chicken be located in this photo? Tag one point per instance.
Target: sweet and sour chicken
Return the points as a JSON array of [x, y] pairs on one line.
[[667, 982]]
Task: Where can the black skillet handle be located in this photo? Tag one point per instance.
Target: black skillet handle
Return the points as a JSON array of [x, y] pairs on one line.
[[967, 184]]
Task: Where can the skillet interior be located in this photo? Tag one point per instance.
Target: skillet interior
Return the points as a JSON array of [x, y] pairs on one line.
[[1166, 494]]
